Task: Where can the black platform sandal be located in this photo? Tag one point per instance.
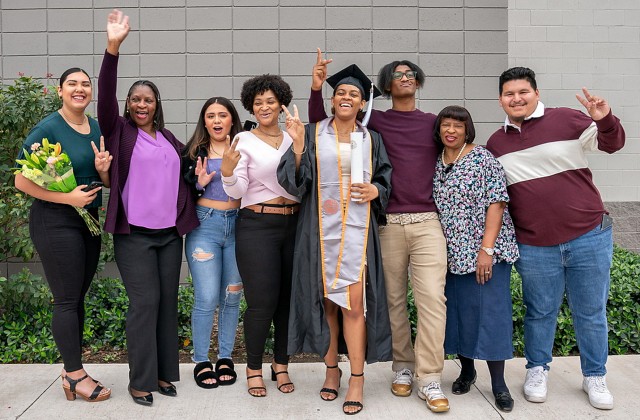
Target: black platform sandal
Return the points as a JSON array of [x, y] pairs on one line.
[[274, 377], [356, 404], [331, 390], [225, 371], [201, 376], [71, 393]]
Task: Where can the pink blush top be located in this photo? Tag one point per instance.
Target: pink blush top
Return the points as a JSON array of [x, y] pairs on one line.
[[254, 180], [150, 194]]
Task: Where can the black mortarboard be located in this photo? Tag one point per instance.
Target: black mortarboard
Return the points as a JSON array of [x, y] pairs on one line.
[[352, 75]]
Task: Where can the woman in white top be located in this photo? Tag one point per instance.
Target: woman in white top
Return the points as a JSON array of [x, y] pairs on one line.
[[265, 229]]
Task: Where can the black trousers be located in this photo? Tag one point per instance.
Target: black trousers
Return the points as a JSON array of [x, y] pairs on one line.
[[69, 255], [264, 252], [149, 263]]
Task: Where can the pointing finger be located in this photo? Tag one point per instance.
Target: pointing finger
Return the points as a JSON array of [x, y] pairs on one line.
[[319, 59], [102, 144], [295, 112]]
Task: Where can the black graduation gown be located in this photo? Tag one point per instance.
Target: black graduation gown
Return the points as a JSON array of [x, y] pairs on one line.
[[308, 328]]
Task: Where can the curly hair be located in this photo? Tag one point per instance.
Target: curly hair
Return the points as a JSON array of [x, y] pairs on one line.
[[385, 75], [260, 84]]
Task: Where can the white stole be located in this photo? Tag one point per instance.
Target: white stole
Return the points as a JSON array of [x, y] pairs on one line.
[[343, 223]]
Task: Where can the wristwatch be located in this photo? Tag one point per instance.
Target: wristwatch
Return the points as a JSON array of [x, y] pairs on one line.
[[489, 251]]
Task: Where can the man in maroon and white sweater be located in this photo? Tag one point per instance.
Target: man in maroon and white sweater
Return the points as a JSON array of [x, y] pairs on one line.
[[563, 230]]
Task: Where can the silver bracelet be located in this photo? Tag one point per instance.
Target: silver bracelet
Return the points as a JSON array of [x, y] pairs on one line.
[[304, 150]]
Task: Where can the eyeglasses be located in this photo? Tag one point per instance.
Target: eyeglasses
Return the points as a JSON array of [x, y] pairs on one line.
[[397, 75]]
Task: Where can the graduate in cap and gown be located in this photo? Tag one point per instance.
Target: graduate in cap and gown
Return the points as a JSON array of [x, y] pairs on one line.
[[340, 171]]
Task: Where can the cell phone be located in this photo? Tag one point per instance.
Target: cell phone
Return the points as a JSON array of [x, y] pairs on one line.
[[606, 221], [249, 125], [92, 186]]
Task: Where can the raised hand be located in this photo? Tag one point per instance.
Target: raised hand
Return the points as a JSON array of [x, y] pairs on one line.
[[597, 107], [102, 159], [117, 30], [204, 178], [230, 157], [319, 73], [295, 128]]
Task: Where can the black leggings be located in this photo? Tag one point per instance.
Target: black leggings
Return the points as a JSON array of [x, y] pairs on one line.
[[264, 252], [69, 255]]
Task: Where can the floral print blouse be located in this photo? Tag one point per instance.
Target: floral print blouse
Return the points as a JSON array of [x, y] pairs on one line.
[[463, 194]]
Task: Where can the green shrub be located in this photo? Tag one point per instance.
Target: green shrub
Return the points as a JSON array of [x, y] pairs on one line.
[[25, 318], [623, 310]]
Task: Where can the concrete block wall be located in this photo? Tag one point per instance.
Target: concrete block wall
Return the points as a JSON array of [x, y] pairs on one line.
[[194, 49], [576, 43]]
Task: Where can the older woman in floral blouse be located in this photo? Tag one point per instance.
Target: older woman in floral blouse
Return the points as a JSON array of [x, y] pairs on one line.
[[471, 195]]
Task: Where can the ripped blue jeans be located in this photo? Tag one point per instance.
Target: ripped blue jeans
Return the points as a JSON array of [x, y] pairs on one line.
[[211, 255]]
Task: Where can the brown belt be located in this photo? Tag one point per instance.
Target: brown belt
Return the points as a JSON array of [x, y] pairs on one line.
[[284, 211]]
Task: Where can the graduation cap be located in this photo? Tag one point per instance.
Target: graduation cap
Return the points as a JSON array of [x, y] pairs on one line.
[[352, 75]]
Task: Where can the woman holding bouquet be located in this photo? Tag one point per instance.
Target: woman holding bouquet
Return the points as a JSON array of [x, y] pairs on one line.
[[150, 208], [67, 249]]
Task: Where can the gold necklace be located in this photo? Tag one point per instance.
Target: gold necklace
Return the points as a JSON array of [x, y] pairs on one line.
[[72, 122], [274, 144], [212, 150]]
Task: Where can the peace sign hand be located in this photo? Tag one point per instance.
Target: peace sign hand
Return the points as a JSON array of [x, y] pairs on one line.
[[295, 128], [230, 157], [319, 73], [597, 107], [117, 30], [204, 178], [103, 159]]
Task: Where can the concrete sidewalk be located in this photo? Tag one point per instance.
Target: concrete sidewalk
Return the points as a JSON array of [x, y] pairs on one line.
[[34, 392]]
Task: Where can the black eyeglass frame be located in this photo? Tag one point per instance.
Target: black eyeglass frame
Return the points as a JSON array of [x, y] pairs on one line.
[[397, 75]]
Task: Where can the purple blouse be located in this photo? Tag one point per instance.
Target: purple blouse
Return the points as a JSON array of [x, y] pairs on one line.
[[213, 190], [151, 191]]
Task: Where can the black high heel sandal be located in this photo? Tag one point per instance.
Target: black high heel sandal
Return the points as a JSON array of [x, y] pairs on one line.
[[261, 388], [356, 404], [274, 377], [331, 390]]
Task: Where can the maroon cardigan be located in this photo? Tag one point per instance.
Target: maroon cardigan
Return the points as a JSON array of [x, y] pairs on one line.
[[120, 137]]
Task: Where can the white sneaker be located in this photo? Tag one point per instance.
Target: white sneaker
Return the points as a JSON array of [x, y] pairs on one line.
[[535, 384], [435, 398], [599, 395], [401, 386]]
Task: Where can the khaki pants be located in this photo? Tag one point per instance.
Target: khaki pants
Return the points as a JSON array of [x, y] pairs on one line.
[[422, 248]]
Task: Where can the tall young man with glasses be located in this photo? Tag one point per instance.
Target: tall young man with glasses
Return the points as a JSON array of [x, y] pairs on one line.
[[413, 238]]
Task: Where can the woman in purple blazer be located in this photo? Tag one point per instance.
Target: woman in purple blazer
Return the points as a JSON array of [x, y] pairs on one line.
[[150, 209]]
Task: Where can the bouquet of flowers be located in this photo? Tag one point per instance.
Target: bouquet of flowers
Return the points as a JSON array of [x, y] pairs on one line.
[[50, 168]]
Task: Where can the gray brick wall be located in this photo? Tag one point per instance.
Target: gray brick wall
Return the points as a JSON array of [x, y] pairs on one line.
[[596, 44], [194, 49]]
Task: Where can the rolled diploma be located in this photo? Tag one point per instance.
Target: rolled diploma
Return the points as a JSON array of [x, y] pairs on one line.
[[357, 175]]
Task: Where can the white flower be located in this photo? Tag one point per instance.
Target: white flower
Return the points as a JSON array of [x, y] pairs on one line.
[[52, 160], [35, 146]]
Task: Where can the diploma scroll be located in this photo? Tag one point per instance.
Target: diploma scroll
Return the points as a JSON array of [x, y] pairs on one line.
[[357, 170]]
